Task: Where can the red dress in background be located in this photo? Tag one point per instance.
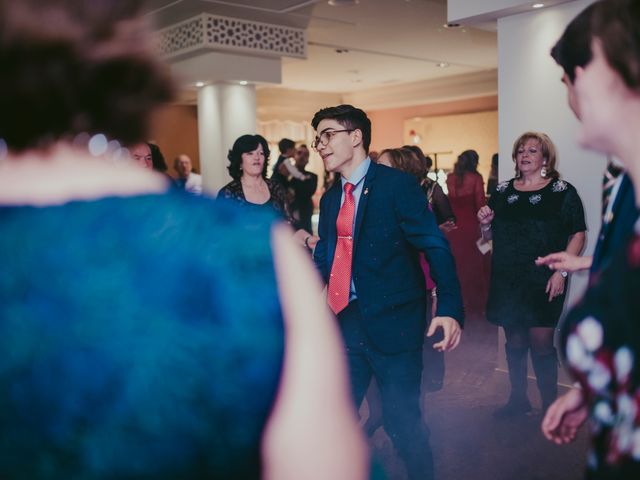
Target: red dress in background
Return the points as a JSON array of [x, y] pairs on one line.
[[466, 198]]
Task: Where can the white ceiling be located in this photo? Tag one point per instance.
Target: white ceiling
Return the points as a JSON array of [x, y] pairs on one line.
[[387, 42]]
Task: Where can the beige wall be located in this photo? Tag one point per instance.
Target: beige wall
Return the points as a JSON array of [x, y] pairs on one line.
[[175, 131], [456, 133], [388, 125]]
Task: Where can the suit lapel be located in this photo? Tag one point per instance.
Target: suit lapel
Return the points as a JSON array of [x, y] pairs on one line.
[[364, 200]]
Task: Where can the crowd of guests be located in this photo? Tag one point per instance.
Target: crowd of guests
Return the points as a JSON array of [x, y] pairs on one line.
[[227, 368]]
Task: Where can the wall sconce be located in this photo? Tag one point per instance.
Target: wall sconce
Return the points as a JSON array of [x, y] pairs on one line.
[[415, 137]]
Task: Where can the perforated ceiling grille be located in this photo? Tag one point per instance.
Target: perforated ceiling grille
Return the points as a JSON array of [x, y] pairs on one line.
[[232, 34]]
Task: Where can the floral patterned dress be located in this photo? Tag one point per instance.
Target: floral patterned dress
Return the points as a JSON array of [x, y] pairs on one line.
[[601, 337], [528, 225]]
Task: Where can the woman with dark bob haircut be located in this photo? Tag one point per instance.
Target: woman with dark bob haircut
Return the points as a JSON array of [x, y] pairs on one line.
[[105, 372], [250, 187]]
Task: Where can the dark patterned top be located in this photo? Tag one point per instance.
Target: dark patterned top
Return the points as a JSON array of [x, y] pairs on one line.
[[601, 337], [277, 202], [528, 225], [127, 346], [438, 200]]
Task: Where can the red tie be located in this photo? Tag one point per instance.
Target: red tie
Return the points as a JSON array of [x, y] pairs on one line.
[[340, 279]]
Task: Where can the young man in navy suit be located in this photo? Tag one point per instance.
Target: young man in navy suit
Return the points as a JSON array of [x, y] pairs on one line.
[[373, 225]]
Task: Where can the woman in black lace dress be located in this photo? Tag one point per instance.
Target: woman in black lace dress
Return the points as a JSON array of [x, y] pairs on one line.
[[529, 216], [248, 160]]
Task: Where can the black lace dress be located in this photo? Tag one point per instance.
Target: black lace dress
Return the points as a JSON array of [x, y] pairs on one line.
[[277, 201], [528, 225]]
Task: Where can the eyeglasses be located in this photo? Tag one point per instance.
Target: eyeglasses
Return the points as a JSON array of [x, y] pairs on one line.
[[326, 136]]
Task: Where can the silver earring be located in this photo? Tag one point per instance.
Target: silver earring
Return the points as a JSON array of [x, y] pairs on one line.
[[543, 172]]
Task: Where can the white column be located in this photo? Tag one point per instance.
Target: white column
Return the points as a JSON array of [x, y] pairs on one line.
[[225, 111]]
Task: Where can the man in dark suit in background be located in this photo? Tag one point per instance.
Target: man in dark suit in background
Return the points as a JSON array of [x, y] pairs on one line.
[[303, 191], [373, 224]]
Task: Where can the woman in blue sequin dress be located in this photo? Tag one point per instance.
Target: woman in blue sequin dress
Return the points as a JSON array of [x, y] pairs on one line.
[[142, 330]]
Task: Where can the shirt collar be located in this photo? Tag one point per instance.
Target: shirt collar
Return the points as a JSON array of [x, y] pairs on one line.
[[358, 174]]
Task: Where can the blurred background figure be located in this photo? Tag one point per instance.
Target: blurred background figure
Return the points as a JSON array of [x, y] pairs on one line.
[[104, 371], [438, 200], [601, 335], [187, 180], [529, 216], [492, 181], [141, 154], [303, 191], [466, 195]]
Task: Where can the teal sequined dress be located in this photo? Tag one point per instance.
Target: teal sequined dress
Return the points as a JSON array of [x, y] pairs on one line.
[[140, 337]]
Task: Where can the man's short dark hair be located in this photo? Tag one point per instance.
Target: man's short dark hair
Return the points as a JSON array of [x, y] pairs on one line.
[[573, 49], [286, 144], [349, 117]]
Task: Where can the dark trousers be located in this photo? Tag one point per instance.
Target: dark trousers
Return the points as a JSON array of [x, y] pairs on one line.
[[398, 377]]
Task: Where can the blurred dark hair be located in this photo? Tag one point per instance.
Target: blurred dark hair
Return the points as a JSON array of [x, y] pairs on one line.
[[421, 156], [157, 159], [286, 144], [246, 144], [467, 162], [349, 117], [406, 160], [71, 67], [617, 24], [573, 48]]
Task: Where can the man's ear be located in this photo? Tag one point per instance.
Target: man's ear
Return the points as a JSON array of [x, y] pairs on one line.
[[356, 139], [577, 72]]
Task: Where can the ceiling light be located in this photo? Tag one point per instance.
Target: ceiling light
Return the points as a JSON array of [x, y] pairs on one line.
[[343, 3], [442, 64], [451, 25], [199, 84], [537, 5], [243, 82]]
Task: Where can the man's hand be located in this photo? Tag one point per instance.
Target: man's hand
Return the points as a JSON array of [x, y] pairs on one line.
[[565, 261], [452, 333], [564, 417]]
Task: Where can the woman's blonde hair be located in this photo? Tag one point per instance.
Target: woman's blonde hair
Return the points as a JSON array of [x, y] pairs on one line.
[[548, 151]]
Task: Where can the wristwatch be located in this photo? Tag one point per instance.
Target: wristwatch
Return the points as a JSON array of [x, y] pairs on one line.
[[564, 273]]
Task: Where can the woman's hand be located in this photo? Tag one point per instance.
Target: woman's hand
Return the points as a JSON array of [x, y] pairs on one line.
[[448, 226], [485, 215], [565, 261], [564, 417], [555, 285]]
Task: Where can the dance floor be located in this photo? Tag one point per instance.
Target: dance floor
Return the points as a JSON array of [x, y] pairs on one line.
[[468, 444]]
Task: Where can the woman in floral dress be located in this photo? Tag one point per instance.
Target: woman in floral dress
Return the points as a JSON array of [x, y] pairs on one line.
[[601, 335]]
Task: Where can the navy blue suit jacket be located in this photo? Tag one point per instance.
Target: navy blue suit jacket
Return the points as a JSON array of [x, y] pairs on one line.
[[393, 224], [613, 235]]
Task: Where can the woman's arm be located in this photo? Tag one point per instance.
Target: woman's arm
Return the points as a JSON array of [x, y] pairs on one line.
[[485, 217], [556, 283], [313, 431], [478, 193]]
